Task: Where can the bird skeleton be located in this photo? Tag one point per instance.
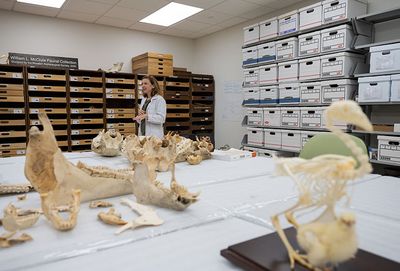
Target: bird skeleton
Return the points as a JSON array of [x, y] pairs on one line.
[[321, 182]]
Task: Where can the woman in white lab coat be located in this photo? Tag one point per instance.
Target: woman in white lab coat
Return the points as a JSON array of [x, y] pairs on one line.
[[153, 109]]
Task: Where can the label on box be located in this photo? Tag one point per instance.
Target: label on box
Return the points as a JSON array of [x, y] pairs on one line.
[[33, 76], [312, 120], [290, 119], [284, 23], [129, 96], [74, 100], [32, 88], [16, 75], [332, 68], [18, 111], [35, 100], [73, 78], [35, 122], [335, 13], [75, 142], [109, 96], [110, 110], [110, 116], [109, 90], [75, 132], [75, 121], [20, 151], [110, 80], [334, 94], [333, 42], [74, 111], [74, 89]]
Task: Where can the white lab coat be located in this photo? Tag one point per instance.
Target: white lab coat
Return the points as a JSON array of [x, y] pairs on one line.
[[156, 114]]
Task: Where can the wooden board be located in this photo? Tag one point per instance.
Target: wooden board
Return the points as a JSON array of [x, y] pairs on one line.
[[202, 127], [12, 146], [12, 86], [86, 79], [178, 106], [267, 253], [8, 153], [160, 84], [120, 81], [86, 90], [119, 91], [125, 130], [47, 76], [161, 71], [85, 131], [177, 84], [10, 134], [81, 142], [4, 111], [48, 110], [46, 88], [12, 99], [153, 55], [86, 110], [53, 121], [4, 74], [178, 115], [120, 110], [60, 132], [145, 63], [120, 116], [120, 125], [120, 96], [63, 143], [6, 92], [12, 122], [202, 98], [198, 119], [203, 87], [47, 100], [74, 100], [178, 124], [200, 110], [177, 96], [86, 121]]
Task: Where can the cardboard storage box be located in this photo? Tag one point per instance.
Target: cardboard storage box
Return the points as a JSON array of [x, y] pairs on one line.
[[272, 117], [310, 68], [389, 149], [268, 74], [288, 71], [250, 55], [251, 95], [268, 28], [374, 89], [338, 90], [289, 93], [338, 10], [255, 136], [251, 33], [310, 16], [396, 128], [310, 93], [291, 140], [395, 88], [311, 117], [269, 95], [266, 52], [251, 77], [306, 136], [385, 58], [288, 23], [340, 64], [310, 43], [287, 48], [153, 63], [255, 116], [272, 138], [290, 117], [336, 38]]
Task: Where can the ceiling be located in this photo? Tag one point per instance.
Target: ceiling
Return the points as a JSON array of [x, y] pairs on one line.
[[217, 14]]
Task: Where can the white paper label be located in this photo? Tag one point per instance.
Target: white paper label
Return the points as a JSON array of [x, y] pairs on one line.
[[75, 121], [73, 78], [74, 89], [20, 151], [74, 100], [16, 75], [110, 116], [32, 87], [75, 143], [75, 132], [33, 76], [110, 80], [35, 100], [74, 111], [109, 96], [18, 111]]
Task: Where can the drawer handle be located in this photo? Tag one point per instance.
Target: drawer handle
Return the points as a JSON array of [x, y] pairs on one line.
[[272, 133], [47, 99], [290, 134], [334, 3], [46, 87], [251, 72], [332, 59], [334, 85], [288, 88], [267, 69], [3, 73], [48, 110], [290, 112], [309, 63], [396, 143], [267, 24], [310, 87], [271, 112], [285, 44], [386, 53], [254, 112], [309, 136], [332, 33], [309, 38], [311, 112], [310, 10], [288, 18], [373, 84], [287, 66], [251, 29], [86, 88], [3, 86], [47, 76]]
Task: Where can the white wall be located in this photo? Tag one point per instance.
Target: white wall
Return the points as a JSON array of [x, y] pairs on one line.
[[96, 46], [220, 54]]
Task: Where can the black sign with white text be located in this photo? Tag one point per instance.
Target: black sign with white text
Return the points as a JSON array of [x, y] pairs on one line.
[[43, 61]]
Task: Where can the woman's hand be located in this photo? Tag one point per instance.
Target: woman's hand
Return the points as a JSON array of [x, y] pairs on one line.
[[140, 117]]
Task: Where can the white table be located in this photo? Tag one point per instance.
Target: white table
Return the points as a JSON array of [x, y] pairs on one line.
[[236, 202]]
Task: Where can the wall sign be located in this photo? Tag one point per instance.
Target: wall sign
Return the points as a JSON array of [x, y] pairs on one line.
[[43, 61]]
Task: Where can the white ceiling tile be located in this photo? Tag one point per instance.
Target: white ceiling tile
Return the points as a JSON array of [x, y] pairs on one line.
[[235, 7], [112, 2], [86, 6], [77, 16], [126, 13], [191, 26], [261, 2], [35, 9], [114, 22], [176, 32], [278, 4], [210, 17], [257, 12], [206, 4], [212, 29], [146, 5], [232, 21], [6, 4], [147, 27]]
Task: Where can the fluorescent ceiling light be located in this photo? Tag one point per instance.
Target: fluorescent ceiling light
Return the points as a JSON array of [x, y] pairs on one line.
[[46, 3], [170, 14]]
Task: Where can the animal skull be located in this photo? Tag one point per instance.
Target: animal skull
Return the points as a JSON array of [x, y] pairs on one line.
[[107, 143]]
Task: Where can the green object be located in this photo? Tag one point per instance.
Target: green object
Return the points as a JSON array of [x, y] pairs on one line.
[[329, 143]]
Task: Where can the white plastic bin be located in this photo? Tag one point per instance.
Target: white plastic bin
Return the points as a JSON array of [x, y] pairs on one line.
[[340, 64], [395, 88], [311, 117], [251, 77], [385, 58], [306, 136], [336, 38], [338, 90], [310, 16], [374, 89], [310, 93], [310, 43], [251, 95], [251, 33], [310, 68], [338, 10]]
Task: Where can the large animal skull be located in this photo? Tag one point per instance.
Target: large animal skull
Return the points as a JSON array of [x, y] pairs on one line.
[[107, 143]]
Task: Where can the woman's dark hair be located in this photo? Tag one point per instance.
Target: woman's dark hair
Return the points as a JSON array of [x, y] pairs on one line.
[[154, 83]]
